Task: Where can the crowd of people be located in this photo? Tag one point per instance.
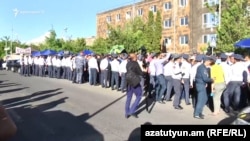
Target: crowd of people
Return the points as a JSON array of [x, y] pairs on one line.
[[195, 78]]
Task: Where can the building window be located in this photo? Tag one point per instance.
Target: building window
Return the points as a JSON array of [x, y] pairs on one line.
[[167, 41], [140, 12], [183, 39], [167, 23], [208, 38], [108, 18], [118, 17], [183, 3], [167, 6], [210, 2], [128, 15], [153, 8], [210, 20], [184, 21]]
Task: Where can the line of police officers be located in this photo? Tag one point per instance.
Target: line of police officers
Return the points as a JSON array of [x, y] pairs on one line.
[[165, 74]]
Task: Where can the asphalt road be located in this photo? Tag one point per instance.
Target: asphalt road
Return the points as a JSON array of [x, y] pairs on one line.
[[46, 109]]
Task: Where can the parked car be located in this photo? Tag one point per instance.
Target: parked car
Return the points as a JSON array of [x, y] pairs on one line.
[[13, 65]]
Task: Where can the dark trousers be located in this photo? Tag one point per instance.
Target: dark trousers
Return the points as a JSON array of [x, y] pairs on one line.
[[64, 71], [177, 92], [73, 75], [202, 99], [104, 78], [233, 90], [69, 73], [79, 74], [50, 71], [93, 76], [138, 93], [185, 89], [152, 80], [22, 70], [41, 71], [169, 82], [194, 95], [115, 80], [54, 71], [33, 69], [58, 72], [123, 82], [26, 70], [160, 87], [37, 70]]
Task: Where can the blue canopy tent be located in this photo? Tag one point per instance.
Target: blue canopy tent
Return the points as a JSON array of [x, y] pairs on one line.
[[48, 52], [60, 53], [87, 52], [36, 53], [244, 43]]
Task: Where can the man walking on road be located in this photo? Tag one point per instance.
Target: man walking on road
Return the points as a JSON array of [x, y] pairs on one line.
[[133, 79]]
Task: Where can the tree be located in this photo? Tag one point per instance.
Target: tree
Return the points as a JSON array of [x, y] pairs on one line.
[[149, 32], [158, 31], [234, 24], [79, 45], [100, 46], [153, 32]]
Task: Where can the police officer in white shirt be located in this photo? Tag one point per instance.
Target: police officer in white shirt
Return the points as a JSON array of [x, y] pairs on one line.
[[49, 66], [186, 70], [234, 86], [54, 67], [104, 71], [123, 71], [115, 72], [152, 75], [94, 69], [168, 72], [58, 67], [177, 78], [26, 65]]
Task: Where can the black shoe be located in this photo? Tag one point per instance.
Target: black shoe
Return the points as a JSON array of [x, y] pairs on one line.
[[226, 110], [188, 104], [201, 115], [161, 102], [198, 117], [178, 107], [168, 99], [127, 116], [134, 115]]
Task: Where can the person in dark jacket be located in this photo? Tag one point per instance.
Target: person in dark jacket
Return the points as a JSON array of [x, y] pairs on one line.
[[133, 79], [202, 79]]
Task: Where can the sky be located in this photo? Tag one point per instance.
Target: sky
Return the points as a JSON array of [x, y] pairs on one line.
[[29, 20]]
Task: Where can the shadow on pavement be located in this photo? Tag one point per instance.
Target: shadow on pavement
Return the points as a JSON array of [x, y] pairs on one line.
[[146, 104], [8, 85], [227, 121], [12, 90], [39, 124], [135, 135], [31, 98], [1, 81]]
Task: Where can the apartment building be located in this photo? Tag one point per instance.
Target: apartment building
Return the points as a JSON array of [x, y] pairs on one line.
[[187, 24]]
